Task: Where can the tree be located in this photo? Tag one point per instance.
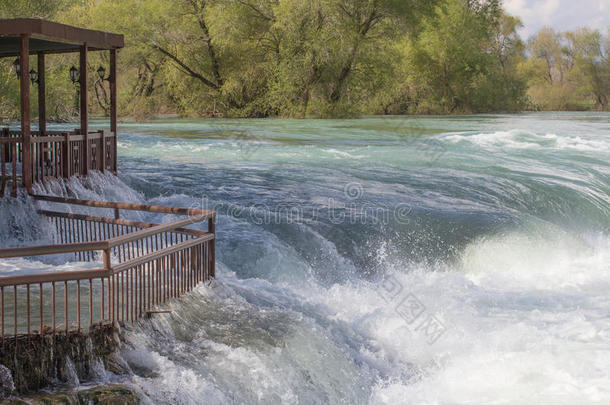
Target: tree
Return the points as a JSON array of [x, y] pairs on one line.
[[464, 60]]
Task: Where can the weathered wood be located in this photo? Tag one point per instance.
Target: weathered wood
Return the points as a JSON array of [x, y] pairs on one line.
[[42, 250], [65, 37], [52, 277], [118, 221], [161, 253], [113, 107], [24, 81], [42, 105], [102, 152], [84, 106], [67, 156], [144, 233], [152, 273], [128, 206]]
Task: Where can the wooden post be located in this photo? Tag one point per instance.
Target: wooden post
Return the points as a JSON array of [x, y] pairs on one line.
[[84, 119], [43, 157], [42, 105], [103, 151], [212, 252], [24, 55], [113, 106], [66, 155]]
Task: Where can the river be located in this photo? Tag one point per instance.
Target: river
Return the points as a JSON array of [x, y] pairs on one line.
[[402, 260]]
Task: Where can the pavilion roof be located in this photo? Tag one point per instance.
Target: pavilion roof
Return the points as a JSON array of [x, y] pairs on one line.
[[51, 37]]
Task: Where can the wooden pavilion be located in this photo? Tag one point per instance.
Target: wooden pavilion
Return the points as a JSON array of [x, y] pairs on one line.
[[142, 265], [43, 153]]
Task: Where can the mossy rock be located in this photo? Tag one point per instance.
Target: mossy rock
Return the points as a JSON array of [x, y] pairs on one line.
[[105, 395], [110, 395]]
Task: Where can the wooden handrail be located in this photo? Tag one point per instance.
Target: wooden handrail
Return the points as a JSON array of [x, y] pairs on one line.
[[115, 221], [154, 269], [160, 253], [129, 206], [144, 233], [101, 245], [52, 249], [9, 281]]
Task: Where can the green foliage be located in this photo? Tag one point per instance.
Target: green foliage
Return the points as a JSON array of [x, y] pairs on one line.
[[322, 58], [464, 61], [568, 71]]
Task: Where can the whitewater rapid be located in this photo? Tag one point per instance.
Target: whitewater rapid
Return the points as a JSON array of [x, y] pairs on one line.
[[378, 261]]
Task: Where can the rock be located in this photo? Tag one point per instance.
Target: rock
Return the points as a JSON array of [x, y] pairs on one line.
[[109, 395], [104, 395], [7, 385], [39, 361]]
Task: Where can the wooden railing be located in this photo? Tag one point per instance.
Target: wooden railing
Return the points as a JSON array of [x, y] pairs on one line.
[[55, 154], [142, 266]]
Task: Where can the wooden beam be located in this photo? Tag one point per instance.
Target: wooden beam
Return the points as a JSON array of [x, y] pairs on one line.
[[84, 106], [24, 81], [127, 206], [60, 33], [113, 106], [42, 105]]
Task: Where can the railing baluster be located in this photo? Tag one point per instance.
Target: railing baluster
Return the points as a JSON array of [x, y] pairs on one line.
[[14, 161], [66, 306], [53, 307], [2, 310], [41, 309], [90, 303], [109, 299], [102, 301], [28, 309], [15, 310], [78, 304], [3, 168], [133, 289]]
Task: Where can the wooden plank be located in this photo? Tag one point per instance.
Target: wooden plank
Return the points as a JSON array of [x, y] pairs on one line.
[[52, 277], [118, 221], [61, 33], [161, 253], [128, 206], [52, 249], [24, 81], [170, 226], [47, 139], [42, 105], [84, 106], [113, 106]]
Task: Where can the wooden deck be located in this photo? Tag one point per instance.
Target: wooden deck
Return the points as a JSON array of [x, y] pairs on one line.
[[143, 266], [54, 154]]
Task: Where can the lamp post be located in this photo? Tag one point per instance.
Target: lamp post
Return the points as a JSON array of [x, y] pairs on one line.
[[74, 76], [101, 72], [34, 76], [17, 67]]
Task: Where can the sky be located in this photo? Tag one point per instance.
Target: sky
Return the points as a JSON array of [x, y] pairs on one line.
[[562, 15]]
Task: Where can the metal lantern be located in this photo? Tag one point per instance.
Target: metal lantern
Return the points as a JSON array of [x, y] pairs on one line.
[[33, 76], [101, 72], [74, 74], [17, 67]]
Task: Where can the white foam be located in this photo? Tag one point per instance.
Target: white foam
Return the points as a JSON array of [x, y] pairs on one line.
[[521, 139]]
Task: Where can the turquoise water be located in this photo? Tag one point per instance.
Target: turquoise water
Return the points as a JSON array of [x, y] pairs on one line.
[[415, 260]]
